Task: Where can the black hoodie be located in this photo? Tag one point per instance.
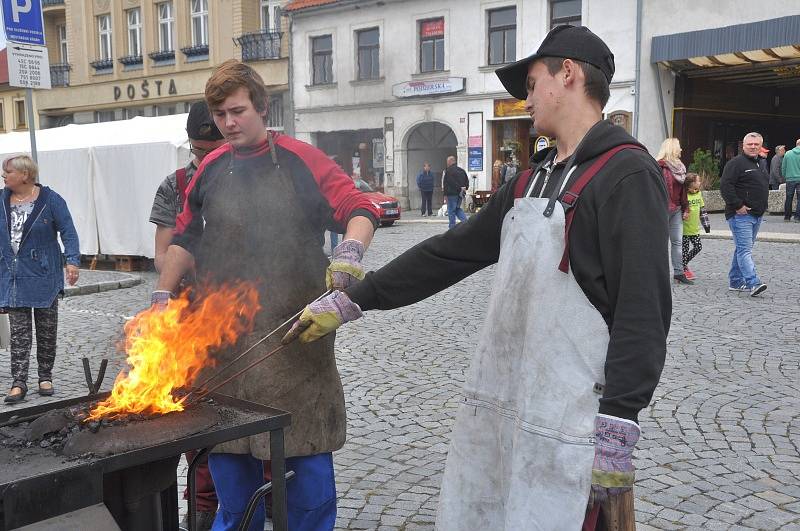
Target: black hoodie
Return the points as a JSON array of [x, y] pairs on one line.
[[618, 255]]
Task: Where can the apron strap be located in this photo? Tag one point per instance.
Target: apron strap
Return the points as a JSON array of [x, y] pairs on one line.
[[522, 183], [180, 178], [272, 152], [570, 197]]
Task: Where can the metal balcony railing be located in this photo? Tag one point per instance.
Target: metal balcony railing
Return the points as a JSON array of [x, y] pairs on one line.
[[130, 60], [59, 74], [260, 45], [102, 64], [196, 50], [162, 55], [48, 3]]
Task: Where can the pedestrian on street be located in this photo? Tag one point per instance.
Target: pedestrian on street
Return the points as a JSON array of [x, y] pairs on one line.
[[674, 172], [575, 337], [775, 173], [204, 137], [455, 184], [691, 225], [257, 211], [763, 153], [790, 168], [745, 189], [425, 185], [32, 279]]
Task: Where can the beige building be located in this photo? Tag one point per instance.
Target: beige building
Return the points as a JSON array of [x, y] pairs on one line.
[[116, 59], [13, 110]]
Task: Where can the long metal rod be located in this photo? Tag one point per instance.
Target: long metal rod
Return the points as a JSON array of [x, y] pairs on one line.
[[31, 123], [200, 387], [238, 373]]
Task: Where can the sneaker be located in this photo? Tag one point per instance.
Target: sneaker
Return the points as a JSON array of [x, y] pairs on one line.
[[681, 279], [689, 273], [204, 521], [743, 287], [757, 290]]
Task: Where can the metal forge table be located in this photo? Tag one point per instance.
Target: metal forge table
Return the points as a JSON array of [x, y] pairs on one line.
[[37, 484]]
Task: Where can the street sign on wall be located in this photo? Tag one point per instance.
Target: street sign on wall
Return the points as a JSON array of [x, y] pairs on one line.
[[23, 21], [28, 66]]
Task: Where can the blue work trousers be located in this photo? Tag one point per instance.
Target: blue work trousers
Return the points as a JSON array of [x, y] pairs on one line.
[[310, 495], [454, 210], [744, 229]]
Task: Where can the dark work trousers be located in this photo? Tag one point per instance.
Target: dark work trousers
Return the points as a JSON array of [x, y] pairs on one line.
[[792, 187], [22, 338], [427, 202]]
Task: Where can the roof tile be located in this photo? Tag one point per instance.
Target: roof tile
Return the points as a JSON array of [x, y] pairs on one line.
[[296, 5]]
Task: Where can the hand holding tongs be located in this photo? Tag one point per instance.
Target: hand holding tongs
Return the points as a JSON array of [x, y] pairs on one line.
[[287, 339]]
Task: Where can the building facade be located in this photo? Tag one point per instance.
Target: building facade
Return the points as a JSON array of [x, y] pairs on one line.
[[13, 107], [388, 85], [116, 59]]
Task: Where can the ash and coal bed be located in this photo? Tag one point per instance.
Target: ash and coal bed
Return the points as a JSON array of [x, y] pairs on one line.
[[68, 432]]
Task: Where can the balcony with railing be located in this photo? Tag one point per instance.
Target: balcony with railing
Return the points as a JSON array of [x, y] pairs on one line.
[[59, 74], [51, 3], [260, 45]]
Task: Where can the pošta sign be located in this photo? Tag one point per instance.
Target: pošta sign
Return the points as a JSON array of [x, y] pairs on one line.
[[447, 85], [146, 89]]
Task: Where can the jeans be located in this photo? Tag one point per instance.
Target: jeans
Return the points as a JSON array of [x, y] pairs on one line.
[[310, 496], [744, 229], [791, 188], [334, 240], [454, 210], [676, 241], [427, 202]]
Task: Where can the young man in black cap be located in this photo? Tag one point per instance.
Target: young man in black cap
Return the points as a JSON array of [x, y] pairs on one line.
[[204, 137], [575, 335]]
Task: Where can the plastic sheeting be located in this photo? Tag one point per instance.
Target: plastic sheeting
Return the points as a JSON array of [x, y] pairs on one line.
[[108, 174]]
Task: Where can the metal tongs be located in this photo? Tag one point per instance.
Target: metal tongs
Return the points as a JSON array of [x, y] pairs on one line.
[[202, 390]]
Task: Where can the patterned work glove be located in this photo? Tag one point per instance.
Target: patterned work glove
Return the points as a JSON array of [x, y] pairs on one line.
[[613, 472], [345, 268], [322, 317], [160, 298]]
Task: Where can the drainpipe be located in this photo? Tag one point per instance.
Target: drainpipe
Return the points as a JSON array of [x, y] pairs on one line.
[[288, 122], [661, 101], [638, 73]]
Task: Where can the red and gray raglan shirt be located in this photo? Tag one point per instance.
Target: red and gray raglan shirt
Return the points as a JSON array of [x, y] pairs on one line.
[[326, 193]]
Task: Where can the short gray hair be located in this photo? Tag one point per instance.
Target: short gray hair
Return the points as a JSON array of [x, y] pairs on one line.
[[23, 163], [754, 135]]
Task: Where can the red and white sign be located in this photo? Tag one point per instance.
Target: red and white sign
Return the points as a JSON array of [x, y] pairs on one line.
[[447, 85], [432, 28], [475, 141]]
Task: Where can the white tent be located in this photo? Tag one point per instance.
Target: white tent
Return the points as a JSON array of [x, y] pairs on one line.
[[108, 174]]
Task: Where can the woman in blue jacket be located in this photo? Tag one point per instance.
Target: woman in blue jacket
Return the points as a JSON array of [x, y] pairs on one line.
[[31, 265]]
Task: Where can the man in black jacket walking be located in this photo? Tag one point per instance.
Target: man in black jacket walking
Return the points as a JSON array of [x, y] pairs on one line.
[[745, 190], [571, 351], [455, 186]]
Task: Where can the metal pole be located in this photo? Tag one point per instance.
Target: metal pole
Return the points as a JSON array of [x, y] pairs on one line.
[[638, 69], [31, 123]]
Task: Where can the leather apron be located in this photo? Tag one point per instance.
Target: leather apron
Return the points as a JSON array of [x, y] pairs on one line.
[[255, 229], [522, 447]]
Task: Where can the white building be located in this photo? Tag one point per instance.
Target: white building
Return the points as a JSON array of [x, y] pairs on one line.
[[408, 81], [421, 75]]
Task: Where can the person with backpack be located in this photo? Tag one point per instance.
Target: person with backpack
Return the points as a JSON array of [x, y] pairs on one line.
[[574, 340], [204, 137]]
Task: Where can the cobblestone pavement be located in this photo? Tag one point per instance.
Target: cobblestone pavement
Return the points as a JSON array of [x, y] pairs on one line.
[[719, 443]]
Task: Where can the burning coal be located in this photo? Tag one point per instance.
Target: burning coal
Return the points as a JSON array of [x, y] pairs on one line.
[[167, 348]]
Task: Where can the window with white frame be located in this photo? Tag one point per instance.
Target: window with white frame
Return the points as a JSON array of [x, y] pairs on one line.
[[431, 45], [61, 31], [199, 16], [20, 114], [134, 31], [275, 112], [502, 35], [368, 53], [104, 36], [270, 15], [2, 117], [166, 27], [565, 12], [322, 60]]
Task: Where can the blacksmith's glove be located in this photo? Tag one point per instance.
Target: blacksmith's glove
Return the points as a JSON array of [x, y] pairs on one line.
[[613, 472], [160, 298], [322, 317], [345, 268]]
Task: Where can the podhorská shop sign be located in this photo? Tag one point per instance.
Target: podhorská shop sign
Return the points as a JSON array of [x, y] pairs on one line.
[[430, 87]]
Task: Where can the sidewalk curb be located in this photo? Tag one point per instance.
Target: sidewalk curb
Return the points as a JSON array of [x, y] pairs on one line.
[[774, 237], [126, 281]]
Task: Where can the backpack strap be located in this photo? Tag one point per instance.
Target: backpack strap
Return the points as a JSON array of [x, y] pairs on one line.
[[522, 183], [180, 178], [570, 198]]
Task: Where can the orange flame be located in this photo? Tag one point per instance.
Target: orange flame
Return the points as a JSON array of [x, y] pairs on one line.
[[167, 348]]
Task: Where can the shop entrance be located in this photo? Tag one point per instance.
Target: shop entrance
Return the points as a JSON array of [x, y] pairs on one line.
[[430, 142]]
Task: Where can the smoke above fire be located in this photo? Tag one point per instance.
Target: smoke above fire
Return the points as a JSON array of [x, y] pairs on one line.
[[167, 348]]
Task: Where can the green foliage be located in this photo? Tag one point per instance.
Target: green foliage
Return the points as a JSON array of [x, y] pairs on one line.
[[707, 167]]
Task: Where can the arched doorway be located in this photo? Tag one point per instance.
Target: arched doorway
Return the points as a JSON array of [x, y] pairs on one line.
[[430, 142]]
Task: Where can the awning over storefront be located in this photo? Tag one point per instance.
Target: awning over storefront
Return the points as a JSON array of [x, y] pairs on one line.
[[764, 53]]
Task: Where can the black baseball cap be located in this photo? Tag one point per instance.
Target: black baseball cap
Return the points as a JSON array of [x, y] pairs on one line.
[[200, 125], [569, 42]]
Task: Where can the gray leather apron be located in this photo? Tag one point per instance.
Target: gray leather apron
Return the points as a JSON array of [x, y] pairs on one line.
[[522, 447], [256, 230]]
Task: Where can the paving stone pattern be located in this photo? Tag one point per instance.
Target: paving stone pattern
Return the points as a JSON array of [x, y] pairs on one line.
[[719, 442]]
